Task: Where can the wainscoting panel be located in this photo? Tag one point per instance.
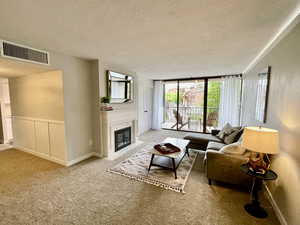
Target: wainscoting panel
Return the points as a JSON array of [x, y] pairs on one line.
[[43, 138], [57, 141], [24, 133]]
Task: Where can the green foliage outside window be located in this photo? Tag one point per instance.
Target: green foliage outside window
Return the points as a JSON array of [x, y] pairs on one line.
[[213, 96], [171, 97]]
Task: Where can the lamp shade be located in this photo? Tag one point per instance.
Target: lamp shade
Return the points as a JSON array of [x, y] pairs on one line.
[[261, 140]]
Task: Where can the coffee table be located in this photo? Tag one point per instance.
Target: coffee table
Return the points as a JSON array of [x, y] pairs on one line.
[[173, 160]]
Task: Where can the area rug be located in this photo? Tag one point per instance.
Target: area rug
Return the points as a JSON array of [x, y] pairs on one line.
[[136, 168]]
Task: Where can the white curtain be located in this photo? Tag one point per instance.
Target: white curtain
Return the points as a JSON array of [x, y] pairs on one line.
[[230, 101], [158, 108]]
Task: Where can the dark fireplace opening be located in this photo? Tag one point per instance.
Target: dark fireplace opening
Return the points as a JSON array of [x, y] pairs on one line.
[[122, 138]]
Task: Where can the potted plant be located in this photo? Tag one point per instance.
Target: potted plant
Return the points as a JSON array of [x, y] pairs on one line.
[[105, 104], [105, 100]]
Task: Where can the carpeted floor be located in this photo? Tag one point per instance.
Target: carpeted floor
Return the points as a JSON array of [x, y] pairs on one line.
[[137, 167], [35, 191]]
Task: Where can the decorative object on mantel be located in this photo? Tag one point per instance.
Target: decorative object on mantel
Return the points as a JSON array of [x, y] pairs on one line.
[[262, 95], [105, 104], [136, 167], [261, 141]]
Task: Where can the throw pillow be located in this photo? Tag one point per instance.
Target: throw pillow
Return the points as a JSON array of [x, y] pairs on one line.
[[227, 129], [232, 137], [234, 148], [239, 135]]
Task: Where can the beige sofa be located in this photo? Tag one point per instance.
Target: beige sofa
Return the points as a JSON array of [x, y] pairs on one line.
[[219, 166]]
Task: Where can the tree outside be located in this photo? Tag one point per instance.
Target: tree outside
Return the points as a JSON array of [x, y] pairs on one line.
[[213, 96]]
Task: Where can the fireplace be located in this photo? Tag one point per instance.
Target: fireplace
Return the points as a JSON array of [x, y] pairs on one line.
[[122, 138]]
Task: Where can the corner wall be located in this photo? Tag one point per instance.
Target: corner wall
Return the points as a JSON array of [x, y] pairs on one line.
[[283, 114], [78, 105]]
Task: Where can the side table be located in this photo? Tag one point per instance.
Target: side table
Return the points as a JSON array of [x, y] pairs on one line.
[[254, 207]]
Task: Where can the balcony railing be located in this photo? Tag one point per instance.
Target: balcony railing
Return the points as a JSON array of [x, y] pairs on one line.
[[191, 118]]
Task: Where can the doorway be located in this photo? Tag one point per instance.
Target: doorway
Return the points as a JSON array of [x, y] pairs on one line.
[[6, 134]]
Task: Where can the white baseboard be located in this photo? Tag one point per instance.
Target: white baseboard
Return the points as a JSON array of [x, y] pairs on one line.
[[84, 157], [97, 154], [275, 206], [81, 158], [4, 147], [44, 156], [61, 162]]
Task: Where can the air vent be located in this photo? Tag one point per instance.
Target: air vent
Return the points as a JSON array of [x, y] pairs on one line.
[[20, 52]]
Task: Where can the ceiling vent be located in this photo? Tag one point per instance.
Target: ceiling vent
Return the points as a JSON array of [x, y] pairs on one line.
[[20, 52]]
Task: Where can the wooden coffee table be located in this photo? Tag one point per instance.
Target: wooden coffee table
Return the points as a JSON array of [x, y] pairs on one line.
[[173, 160]]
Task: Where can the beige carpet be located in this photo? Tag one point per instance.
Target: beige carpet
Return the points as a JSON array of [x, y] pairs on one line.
[[136, 168], [35, 191]]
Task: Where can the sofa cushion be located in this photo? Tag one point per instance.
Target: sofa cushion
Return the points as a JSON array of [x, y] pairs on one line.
[[200, 141], [215, 145], [200, 138], [234, 148]]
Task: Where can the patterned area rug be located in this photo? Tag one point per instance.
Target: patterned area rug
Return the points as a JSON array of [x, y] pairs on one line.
[[136, 167]]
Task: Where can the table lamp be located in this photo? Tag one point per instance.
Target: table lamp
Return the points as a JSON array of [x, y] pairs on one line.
[[261, 141]]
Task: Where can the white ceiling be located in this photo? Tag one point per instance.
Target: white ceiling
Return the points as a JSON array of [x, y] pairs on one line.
[[155, 38]]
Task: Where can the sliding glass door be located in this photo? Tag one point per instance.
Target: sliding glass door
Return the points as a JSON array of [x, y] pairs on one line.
[[191, 105], [170, 105], [194, 104], [184, 105], [213, 104]]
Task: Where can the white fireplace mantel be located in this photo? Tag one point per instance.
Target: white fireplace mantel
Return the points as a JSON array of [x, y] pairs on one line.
[[115, 120]]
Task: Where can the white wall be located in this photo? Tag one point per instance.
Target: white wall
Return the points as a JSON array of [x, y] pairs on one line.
[[283, 114], [96, 107], [145, 99], [38, 96], [78, 104], [5, 110]]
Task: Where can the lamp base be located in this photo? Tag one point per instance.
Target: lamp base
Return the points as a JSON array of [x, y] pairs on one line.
[[257, 163], [255, 210]]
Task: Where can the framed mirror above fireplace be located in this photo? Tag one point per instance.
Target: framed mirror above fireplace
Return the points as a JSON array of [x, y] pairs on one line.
[[119, 87]]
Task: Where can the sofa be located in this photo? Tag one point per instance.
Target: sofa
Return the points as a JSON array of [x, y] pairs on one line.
[[219, 166]]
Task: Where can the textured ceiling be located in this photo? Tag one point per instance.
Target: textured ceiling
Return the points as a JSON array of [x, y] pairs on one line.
[[155, 38]]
